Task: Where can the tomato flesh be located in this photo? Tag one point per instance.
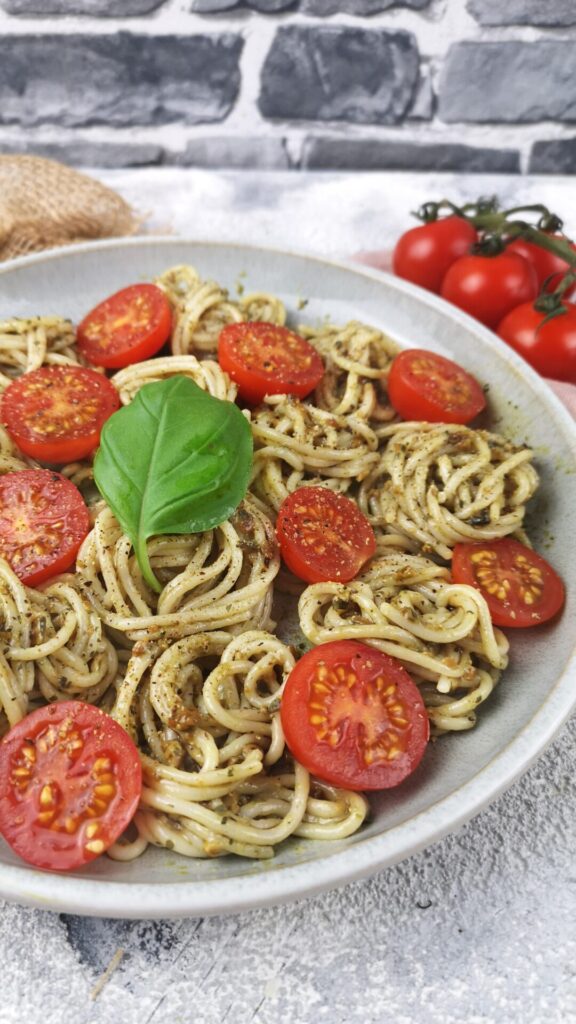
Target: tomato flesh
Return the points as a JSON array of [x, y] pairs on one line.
[[353, 716], [548, 345], [488, 287], [323, 535], [426, 386], [265, 359], [43, 521], [424, 253], [70, 782], [56, 413], [520, 587], [129, 326]]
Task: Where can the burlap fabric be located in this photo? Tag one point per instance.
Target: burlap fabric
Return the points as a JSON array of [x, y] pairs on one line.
[[44, 204]]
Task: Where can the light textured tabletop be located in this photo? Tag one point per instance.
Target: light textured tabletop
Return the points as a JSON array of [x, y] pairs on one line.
[[479, 928]]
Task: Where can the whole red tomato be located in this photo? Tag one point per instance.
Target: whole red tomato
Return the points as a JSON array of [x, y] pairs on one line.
[[549, 347], [488, 287], [423, 254], [545, 263]]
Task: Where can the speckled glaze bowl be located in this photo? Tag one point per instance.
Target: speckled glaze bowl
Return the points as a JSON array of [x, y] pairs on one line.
[[460, 774]]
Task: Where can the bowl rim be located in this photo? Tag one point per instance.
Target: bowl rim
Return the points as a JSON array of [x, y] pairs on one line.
[[278, 884]]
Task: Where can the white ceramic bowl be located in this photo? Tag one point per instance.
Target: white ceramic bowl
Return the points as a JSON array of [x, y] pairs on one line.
[[460, 774]]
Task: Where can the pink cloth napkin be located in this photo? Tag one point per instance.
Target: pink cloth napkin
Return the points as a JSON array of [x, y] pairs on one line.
[[382, 260]]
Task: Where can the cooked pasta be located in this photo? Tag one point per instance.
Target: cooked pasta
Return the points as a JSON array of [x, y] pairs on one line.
[[221, 579], [55, 645], [222, 717], [439, 484], [195, 673], [406, 606], [357, 360], [297, 443], [11, 460], [264, 307], [202, 308], [28, 343], [206, 374]]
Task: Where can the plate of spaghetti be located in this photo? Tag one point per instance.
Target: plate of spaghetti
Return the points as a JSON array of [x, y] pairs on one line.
[[202, 712]]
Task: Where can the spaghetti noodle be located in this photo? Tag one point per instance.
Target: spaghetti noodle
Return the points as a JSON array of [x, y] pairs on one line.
[[203, 308], [439, 484], [357, 360], [27, 344]]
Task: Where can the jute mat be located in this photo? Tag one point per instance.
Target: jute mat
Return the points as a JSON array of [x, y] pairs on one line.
[[45, 204]]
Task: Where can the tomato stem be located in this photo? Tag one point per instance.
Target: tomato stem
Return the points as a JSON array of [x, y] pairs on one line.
[[429, 212], [501, 227], [491, 244], [559, 246]]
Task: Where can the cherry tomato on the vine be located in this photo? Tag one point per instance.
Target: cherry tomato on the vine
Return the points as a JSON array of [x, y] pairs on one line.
[[520, 587], [424, 253], [43, 521], [425, 386], [546, 264], [323, 535], [353, 716], [129, 326], [266, 359], [70, 782], [55, 414], [550, 347], [488, 287]]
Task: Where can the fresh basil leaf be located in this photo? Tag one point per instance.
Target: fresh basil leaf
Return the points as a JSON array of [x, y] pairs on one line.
[[175, 460]]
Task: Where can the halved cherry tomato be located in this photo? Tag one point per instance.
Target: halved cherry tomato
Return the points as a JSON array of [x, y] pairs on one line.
[[487, 287], [520, 587], [353, 716], [70, 782], [129, 326], [545, 263], [265, 359], [56, 413], [426, 386], [549, 345], [43, 521], [424, 253], [323, 535]]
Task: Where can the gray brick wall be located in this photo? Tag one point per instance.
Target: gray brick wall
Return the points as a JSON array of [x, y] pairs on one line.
[[478, 85]]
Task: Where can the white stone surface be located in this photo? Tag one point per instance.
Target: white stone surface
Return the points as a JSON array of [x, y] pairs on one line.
[[478, 929], [334, 214]]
